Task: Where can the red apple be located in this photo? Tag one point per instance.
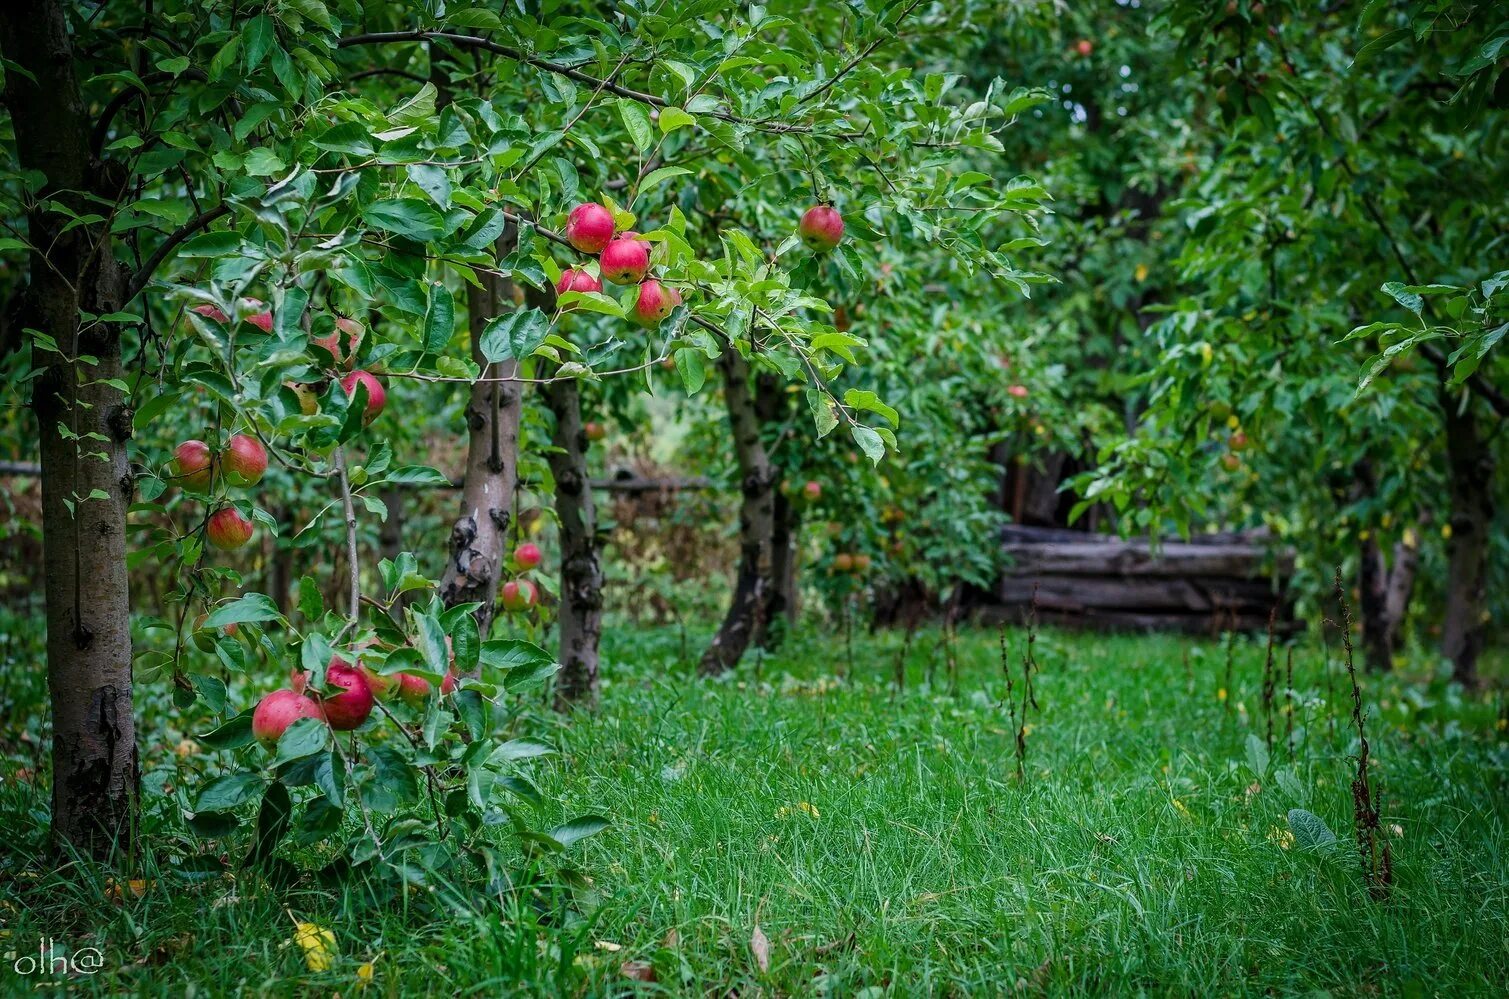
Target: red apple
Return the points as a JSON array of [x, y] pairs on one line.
[[812, 490], [821, 228], [353, 330], [245, 460], [1239, 441], [527, 556], [1084, 47], [193, 466], [382, 686], [595, 431], [843, 562], [347, 710], [519, 595], [1230, 462], [861, 563], [654, 303], [227, 529], [412, 690], [589, 227], [377, 396], [278, 710], [625, 261], [262, 320], [449, 683], [213, 312], [576, 279], [1017, 391]]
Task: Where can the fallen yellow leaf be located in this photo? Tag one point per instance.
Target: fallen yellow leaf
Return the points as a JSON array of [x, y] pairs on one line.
[[318, 944]]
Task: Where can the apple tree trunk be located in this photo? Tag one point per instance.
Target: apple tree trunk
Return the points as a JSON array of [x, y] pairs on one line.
[[479, 536], [773, 406], [1469, 462], [84, 423], [745, 618], [581, 610]]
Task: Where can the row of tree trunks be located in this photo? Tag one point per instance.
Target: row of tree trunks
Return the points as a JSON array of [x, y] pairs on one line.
[[94, 756], [745, 620], [479, 537]]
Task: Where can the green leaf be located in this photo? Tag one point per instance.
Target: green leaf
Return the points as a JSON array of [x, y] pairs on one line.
[[1257, 755], [420, 475], [330, 777], [465, 643], [1310, 831], [259, 35], [636, 118], [476, 17], [407, 217], [249, 608], [661, 175], [314, 10], [1377, 46], [432, 644], [232, 735], [672, 118], [579, 829], [520, 749], [211, 244], [863, 399], [823, 414], [1401, 293], [512, 653], [515, 335], [439, 319], [231, 791], [433, 181], [311, 600], [263, 162], [418, 111], [692, 367], [304, 737], [869, 442], [272, 823]]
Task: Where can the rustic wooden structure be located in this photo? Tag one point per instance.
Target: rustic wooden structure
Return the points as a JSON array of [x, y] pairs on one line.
[[1212, 583]]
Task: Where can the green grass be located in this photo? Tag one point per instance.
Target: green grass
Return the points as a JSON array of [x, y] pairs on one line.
[[885, 843]]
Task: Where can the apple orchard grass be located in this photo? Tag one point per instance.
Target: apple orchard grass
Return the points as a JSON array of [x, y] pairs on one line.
[[884, 841]]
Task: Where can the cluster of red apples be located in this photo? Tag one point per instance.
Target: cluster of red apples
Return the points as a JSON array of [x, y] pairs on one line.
[[195, 467], [623, 258], [361, 688], [849, 562], [243, 461]]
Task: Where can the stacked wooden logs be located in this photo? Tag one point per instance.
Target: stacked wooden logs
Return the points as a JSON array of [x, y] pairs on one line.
[[1212, 583]]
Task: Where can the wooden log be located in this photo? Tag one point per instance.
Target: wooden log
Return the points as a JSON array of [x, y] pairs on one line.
[[1098, 555], [1157, 593]]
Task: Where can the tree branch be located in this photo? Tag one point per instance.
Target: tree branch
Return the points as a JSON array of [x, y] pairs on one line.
[[107, 116], [354, 614], [570, 72], [140, 279]]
